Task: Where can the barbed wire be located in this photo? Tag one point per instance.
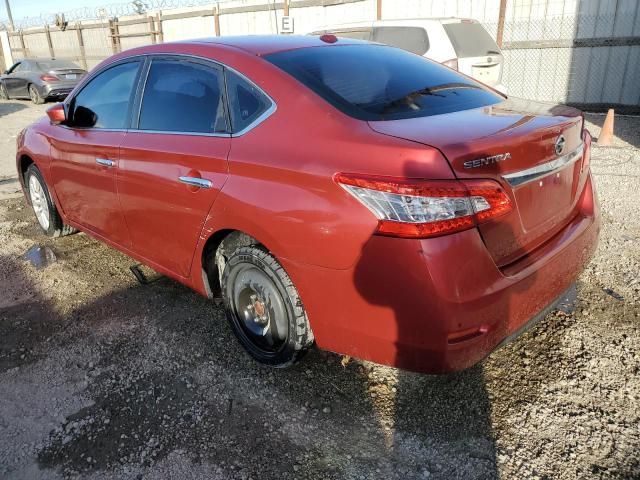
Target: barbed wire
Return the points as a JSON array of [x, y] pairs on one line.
[[136, 7]]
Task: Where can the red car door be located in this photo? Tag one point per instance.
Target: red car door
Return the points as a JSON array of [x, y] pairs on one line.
[[84, 153], [173, 165]]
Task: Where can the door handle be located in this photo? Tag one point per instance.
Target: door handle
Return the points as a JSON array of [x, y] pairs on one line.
[[196, 182], [105, 162]]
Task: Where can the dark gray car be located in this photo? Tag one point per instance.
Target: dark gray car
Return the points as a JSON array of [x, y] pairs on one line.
[[40, 79]]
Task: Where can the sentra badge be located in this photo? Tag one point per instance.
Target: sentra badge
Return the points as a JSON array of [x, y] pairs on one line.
[[480, 162]]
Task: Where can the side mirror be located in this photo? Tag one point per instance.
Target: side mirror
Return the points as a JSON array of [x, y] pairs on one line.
[[57, 114], [6, 72], [84, 117]]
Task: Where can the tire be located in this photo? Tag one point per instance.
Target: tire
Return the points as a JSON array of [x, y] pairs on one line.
[[3, 92], [34, 95], [45, 210], [264, 308]]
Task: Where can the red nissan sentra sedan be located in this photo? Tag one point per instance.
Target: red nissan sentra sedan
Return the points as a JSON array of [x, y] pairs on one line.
[[330, 190]]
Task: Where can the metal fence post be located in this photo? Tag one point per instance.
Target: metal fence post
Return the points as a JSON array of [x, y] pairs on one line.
[[25, 51], [160, 32], [501, 15], [83, 56], [216, 20], [152, 29], [113, 29], [47, 33]]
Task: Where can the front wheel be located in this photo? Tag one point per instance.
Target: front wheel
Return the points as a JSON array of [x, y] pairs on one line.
[[44, 208], [35, 96], [264, 308]]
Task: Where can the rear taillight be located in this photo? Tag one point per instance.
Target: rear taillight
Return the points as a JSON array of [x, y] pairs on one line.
[[453, 63], [426, 208], [49, 78]]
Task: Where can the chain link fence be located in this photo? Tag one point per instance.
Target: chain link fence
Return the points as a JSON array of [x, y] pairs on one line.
[[586, 60]]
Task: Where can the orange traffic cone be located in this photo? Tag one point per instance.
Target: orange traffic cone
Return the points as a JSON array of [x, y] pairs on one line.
[[606, 134]]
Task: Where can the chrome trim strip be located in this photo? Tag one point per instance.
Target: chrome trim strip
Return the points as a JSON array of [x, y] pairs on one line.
[[93, 129], [266, 114], [523, 177], [105, 162], [196, 182], [193, 134]]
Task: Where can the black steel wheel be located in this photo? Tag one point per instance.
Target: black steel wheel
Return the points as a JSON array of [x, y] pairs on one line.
[[264, 308]]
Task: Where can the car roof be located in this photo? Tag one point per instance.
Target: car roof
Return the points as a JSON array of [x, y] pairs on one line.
[[266, 44]]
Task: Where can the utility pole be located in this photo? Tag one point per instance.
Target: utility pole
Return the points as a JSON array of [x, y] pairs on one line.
[[6, 2]]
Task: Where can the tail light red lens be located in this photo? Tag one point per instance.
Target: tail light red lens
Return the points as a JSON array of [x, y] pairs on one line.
[[49, 78], [453, 63], [426, 208]]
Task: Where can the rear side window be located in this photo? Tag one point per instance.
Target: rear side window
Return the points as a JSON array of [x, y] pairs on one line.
[[374, 82], [356, 33], [105, 101], [411, 39], [246, 102], [53, 64], [183, 96], [470, 39]]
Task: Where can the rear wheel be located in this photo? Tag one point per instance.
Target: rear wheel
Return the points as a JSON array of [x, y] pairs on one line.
[[44, 208], [264, 308], [3, 92], [34, 95]]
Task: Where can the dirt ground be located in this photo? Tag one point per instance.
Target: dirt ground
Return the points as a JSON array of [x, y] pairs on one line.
[[103, 378]]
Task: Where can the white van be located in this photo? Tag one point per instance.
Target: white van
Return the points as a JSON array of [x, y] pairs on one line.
[[460, 43]]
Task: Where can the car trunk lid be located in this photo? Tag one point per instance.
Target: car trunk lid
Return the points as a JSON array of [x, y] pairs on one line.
[[68, 74], [514, 143]]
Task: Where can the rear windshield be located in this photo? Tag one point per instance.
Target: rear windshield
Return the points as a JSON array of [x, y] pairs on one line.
[[470, 40], [56, 64], [376, 82]]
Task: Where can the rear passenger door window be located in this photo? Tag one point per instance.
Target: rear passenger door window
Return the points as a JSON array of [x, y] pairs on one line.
[[247, 103], [411, 39], [183, 96]]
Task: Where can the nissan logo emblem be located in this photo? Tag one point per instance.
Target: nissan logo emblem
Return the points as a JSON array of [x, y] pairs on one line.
[[559, 147]]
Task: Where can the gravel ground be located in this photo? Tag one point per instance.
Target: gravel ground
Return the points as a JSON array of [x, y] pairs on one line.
[[102, 378]]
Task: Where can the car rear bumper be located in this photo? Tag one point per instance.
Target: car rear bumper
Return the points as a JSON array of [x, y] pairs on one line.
[[58, 91], [441, 304]]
